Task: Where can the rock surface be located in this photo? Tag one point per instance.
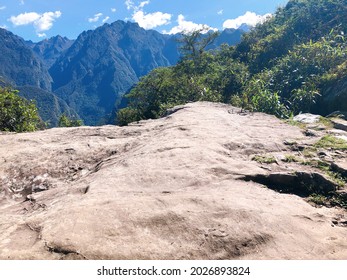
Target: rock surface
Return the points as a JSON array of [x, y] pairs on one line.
[[307, 118], [171, 188], [341, 167], [340, 124]]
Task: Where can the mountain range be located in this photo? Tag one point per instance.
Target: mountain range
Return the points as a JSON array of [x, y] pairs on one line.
[[86, 77]]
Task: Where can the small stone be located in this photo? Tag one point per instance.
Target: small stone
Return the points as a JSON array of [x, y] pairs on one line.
[[40, 188], [310, 133], [337, 114], [307, 118], [289, 142], [322, 154]]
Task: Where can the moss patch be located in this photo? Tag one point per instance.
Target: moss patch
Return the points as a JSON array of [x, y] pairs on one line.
[[296, 123], [290, 158], [327, 169], [331, 142], [326, 122], [332, 200], [264, 159]]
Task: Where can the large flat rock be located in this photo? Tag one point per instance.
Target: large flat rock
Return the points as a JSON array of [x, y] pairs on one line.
[[158, 189]]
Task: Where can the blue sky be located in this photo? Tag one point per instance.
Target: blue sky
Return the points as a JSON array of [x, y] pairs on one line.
[[38, 19]]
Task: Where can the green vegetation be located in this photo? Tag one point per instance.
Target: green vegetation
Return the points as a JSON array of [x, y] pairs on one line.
[[337, 178], [301, 125], [264, 159], [290, 158], [65, 121], [283, 67], [339, 200], [127, 115], [309, 152], [50, 107], [318, 199], [327, 199], [199, 76], [326, 168], [17, 114], [330, 200], [326, 122], [322, 165], [331, 142]]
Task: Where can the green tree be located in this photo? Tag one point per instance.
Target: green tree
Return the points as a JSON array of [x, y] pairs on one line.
[[298, 22], [194, 44], [200, 75], [127, 115], [17, 114], [297, 80], [65, 121], [282, 67], [230, 74]]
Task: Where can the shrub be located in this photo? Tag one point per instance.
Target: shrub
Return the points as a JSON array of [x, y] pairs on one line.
[[17, 114], [65, 121], [126, 116], [331, 142]]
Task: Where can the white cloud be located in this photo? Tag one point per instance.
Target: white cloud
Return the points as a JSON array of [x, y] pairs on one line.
[[105, 19], [147, 20], [24, 19], [95, 18], [185, 26], [113, 10], [152, 20], [142, 4], [249, 18], [220, 12], [45, 22], [41, 22], [2, 8], [130, 4], [41, 35], [3, 26]]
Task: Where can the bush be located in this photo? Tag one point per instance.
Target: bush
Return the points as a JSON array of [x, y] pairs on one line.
[[17, 114], [65, 121], [126, 116]]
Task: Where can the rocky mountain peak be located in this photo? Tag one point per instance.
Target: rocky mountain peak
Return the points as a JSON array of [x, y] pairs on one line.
[[19, 65]]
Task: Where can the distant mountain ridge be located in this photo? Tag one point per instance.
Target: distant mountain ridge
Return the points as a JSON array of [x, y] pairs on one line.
[[103, 64], [19, 65], [93, 72], [49, 50]]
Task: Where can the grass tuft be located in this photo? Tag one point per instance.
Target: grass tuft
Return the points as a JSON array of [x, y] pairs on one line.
[[296, 123], [331, 142], [264, 159], [290, 158]]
